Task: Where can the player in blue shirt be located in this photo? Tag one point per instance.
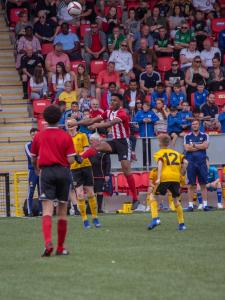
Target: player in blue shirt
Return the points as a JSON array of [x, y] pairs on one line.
[[200, 95], [213, 184], [221, 119], [195, 144], [177, 96], [33, 179]]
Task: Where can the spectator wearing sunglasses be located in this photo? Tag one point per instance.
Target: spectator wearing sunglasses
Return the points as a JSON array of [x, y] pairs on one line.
[[182, 38], [45, 29], [188, 54], [172, 77]]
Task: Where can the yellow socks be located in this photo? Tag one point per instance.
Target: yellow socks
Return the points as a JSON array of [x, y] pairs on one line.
[[180, 214], [93, 206], [171, 203], [82, 208], [154, 207]]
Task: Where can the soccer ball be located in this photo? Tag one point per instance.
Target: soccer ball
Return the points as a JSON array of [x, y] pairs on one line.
[[74, 8]]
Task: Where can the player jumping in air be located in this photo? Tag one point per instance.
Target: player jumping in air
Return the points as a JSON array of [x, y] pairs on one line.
[[171, 165], [118, 119]]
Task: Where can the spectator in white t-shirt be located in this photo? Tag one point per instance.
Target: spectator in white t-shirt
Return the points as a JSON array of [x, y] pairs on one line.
[[188, 54], [38, 84], [59, 79], [209, 53], [204, 5]]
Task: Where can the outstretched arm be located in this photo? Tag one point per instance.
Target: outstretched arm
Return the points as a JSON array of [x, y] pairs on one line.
[[105, 124], [87, 122]]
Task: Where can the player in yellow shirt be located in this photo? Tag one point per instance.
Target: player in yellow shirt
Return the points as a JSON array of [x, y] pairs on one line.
[[83, 179], [68, 95], [171, 165]]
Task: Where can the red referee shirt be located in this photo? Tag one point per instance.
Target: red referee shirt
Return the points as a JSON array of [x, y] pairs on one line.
[[52, 146]]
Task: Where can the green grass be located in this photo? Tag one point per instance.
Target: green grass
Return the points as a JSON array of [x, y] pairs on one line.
[[120, 261]]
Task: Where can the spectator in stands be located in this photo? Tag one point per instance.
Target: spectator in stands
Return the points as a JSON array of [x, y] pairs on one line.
[[115, 38], [123, 62], [38, 84], [16, 4], [204, 5], [159, 92], [173, 76], [163, 46], [73, 112], [82, 78], [221, 44], [188, 54], [88, 13], [84, 100], [175, 20], [198, 115], [62, 107], [22, 24], [174, 123], [59, 79], [63, 15], [112, 19], [132, 25], [216, 80], [95, 45], [45, 29], [27, 41], [209, 53], [185, 115], [105, 77], [68, 95], [142, 57], [132, 95], [195, 74], [106, 96], [95, 110], [146, 119], [55, 57], [134, 40], [149, 79], [155, 21], [210, 110], [221, 119], [200, 28], [84, 128], [200, 95], [177, 97], [28, 63], [162, 113], [164, 8], [49, 6], [70, 42], [182, 38]]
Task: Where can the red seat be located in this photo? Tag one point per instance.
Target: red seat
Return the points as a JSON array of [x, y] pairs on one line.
[[118, 8], [14, 15], [74, 64], [145, 181], [73, 28], [217, 25], [193, 100], [138, 181], [164, 64], [132, 4], [97, 66], [83, 29], [122, 183], [46, 48], [220, 99], [39, 106]]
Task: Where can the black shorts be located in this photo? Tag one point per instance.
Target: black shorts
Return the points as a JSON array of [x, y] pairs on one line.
[[83, 176], [121, 147], [173, 187], [98, 185], [55, 183]]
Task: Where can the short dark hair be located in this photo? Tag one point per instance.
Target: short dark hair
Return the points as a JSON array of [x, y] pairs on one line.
[[74, 102], [196, 110], [133, 80], [164, 139], [177, 84], [52, 114], [61, 103], [33, 130], [195, 120], [64, 24], [112, 84], [160, 84], [173, 108], [118, 96], [201, 82]]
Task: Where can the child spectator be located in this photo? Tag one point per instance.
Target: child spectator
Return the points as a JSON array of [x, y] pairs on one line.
[[185, 114], [106, 96], [174, 122], [159, 93], [59, 79], [146, 119], [162, 113], [84, 128], [68, 95], [177, 96], [221, 119], [84, 100], [38, 84], [200, 95]]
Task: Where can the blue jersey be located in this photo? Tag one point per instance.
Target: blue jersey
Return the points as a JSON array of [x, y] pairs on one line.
[[28, 154], [174, 124], [212, 174], [200, 98], [200, 155], [184, 115], [155, 95], [146, 128], [176, 99], [221, 119]]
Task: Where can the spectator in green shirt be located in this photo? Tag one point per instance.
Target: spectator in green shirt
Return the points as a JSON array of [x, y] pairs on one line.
[[163, 47], [182, 38], [115, 38]]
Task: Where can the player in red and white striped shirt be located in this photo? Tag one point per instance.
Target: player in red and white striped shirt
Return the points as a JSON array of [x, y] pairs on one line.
[[118, 120]]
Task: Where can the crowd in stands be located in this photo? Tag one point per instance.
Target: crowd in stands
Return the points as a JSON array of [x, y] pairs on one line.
[[164, 57]]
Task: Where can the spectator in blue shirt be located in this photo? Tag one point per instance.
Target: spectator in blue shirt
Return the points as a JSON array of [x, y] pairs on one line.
[[146, 119], [185, 115], [200, 96], [221, 119], [84, 128], [160, 92], [221, 43], [177, 96], [70, 42], [174, 127]]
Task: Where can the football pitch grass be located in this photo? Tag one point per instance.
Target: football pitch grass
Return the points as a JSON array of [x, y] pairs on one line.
[[122, 260]]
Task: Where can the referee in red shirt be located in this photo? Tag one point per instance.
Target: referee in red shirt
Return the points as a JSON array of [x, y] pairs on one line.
[[52, 152]]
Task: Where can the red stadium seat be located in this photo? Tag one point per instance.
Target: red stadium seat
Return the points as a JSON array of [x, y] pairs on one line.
[[164, 64], [14, 15], [122, 183], [220, 98], [217, 25], [97, 66], [193, 100], [46, 48], [132, 4], [138, 181], [74, 64], [83, 29], [145, 181], [73, 28], [39, 106]]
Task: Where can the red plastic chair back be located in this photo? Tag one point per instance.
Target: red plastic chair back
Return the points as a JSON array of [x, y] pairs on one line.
[[46, 48], [164, 63], [217, 25], [74, 64], [84, 28], [122, 183], [193, 100], [145, 181], [97, 66], [220, 98], [39, 106], [132, 4], [14, 14]]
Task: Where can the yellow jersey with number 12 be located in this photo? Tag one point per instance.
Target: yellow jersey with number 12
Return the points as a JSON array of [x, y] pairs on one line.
[[172, 162]]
